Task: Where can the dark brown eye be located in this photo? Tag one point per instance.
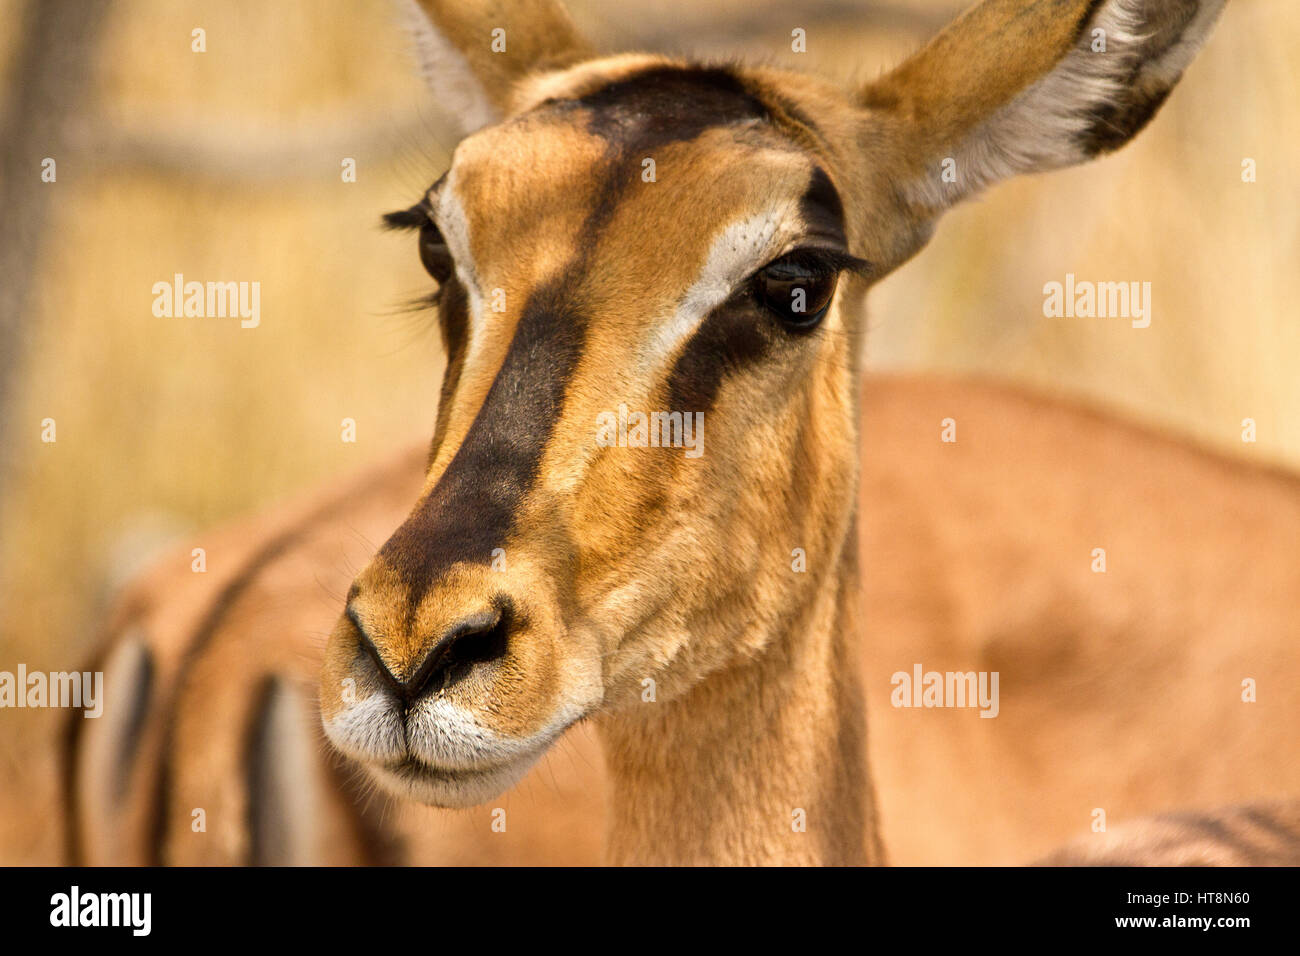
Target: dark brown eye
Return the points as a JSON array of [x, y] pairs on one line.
[[434, 253], [796, 289]]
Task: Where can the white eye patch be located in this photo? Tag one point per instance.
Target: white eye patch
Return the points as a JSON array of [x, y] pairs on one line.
[[736, 251], [449, 215]]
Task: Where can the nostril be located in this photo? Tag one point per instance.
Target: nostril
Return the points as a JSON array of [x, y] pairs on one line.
[[478, 639], [371, 651]]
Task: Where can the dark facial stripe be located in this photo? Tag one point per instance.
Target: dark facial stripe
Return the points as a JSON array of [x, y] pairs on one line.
[[473, 506], [822, 209], [665, 105], [453, 319], [470, 510], [732, 338], [736, 335], [669, 104]]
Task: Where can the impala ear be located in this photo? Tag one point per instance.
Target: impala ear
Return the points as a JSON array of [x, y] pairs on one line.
[[1022, 86], [284, 785], [108, 753], [473, 52]]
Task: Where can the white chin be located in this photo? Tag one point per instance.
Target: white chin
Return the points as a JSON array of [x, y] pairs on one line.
[[452, 789]]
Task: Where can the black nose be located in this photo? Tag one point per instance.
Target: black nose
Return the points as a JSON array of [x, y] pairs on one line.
[[479, 638]]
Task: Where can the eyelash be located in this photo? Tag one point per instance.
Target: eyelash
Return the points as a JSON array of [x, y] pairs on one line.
[[820, 264], [797, 288], [406, 219], [821, 261]]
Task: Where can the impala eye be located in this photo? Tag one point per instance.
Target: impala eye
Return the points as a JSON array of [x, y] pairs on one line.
[[797, 289], [434, 254]]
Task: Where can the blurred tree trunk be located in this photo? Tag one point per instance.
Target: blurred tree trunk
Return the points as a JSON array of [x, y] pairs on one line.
[[51, 71]]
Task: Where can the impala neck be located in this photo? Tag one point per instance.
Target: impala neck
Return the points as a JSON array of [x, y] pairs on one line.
[[763, 763]]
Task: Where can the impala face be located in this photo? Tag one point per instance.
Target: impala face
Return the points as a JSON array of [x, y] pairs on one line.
[[636, 236], [552, 567]]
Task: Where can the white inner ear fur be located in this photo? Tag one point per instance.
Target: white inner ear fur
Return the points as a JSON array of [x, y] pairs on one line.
[[1042, 127], [448, 74]]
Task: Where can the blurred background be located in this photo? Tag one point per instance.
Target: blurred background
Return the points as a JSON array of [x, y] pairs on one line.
[[226, 164]]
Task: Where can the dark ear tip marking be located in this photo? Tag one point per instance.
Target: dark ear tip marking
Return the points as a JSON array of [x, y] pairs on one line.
[[1119, 123]]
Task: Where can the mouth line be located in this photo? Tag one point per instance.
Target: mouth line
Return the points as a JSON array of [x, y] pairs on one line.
[[415, 769], [412, 768]]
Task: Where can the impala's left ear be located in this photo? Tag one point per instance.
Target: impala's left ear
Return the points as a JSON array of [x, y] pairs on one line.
[[474, 52], [1022, 86]]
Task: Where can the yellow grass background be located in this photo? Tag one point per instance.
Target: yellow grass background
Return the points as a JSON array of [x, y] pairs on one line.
[[169, 426]]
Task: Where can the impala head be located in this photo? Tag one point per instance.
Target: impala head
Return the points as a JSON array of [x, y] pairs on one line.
[[635, 235]]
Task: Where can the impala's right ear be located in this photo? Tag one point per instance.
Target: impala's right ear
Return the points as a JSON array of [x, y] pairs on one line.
[[473, 52], [1022, 86]]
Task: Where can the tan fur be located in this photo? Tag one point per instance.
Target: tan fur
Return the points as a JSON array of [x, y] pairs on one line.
[[634, 568], [1120, 691], [277, 624], [653, 594], [760, 763], [1258, 835], [1082, 728]]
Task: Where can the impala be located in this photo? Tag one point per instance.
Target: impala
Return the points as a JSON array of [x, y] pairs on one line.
[[702, 613], [731, 284]]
